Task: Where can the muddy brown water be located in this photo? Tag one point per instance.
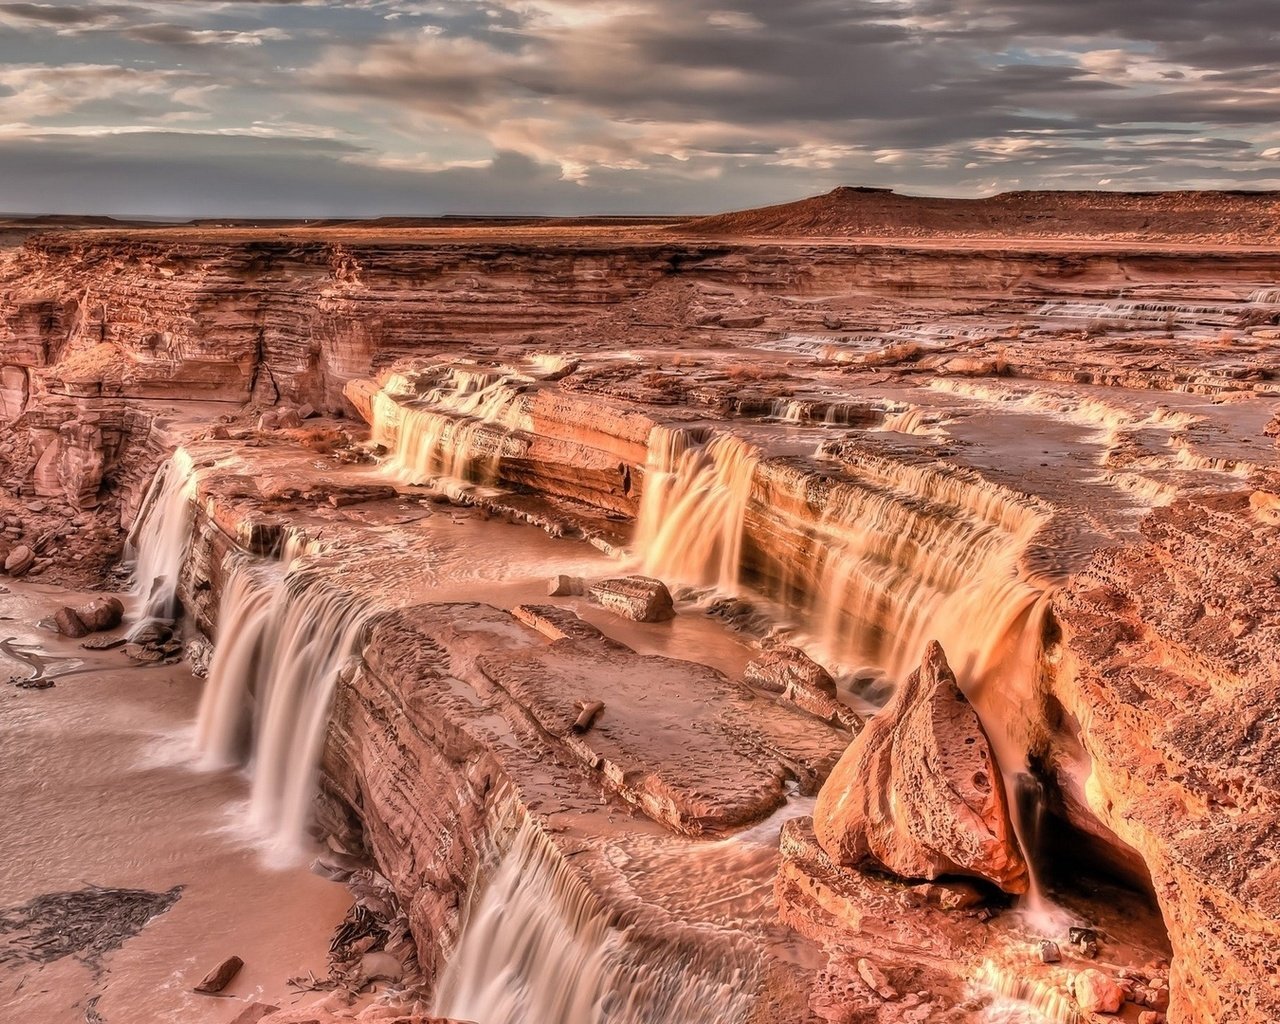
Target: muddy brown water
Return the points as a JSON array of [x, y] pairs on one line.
[[96, 789]]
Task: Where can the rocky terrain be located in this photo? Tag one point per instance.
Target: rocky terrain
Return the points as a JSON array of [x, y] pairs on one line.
[[695, 627]]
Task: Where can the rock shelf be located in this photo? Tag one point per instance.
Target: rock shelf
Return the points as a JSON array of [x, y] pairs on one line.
[[1055, 461]]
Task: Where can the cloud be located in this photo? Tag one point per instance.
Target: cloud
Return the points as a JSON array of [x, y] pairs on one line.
[[61, 16], [43, 91], [179, 35], [661, 103]]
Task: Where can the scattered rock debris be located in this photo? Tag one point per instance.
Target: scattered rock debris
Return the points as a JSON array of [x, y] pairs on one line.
[[86, 924]]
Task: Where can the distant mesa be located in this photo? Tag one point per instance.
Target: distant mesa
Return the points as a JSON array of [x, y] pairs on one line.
[[1222, 218]]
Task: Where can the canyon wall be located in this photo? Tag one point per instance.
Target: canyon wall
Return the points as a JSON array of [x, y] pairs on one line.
[[1083, 510], [173, 317]]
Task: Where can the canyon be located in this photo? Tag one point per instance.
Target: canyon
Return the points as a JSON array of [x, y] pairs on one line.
[[748, 619]]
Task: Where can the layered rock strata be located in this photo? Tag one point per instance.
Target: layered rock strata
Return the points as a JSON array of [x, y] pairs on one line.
[[468, 693], [1060, 464]]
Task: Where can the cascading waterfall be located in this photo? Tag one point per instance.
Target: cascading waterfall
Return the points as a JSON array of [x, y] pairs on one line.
[[911, 420], [536, 947], [693, 507], [284, 637], [901, 555], [157, 544], [924, 556], [444, 435]]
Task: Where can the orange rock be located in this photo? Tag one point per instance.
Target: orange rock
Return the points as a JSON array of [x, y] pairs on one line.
[[918, 791], [1096, 993]]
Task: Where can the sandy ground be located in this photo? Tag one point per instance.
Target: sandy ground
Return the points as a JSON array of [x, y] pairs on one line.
[[95, 789]]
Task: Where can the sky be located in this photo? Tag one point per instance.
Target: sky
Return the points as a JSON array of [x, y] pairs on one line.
[[394, 107]]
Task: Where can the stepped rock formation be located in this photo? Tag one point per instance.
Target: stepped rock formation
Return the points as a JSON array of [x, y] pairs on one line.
[[918, 791], [1057, 460]]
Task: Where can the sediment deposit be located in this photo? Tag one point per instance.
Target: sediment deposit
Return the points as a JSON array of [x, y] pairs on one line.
[[553, 572]]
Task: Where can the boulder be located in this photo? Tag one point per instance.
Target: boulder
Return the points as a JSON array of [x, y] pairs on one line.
[[19, 560], [69, 623], [1096, 993], [784, 669], [565, 586], [220, 977], [639, 598], [782, 666], [918, 791], [101, 613]]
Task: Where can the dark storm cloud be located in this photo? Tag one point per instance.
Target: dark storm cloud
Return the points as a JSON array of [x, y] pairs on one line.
[[181, 35], [629, 104], [50, 14]]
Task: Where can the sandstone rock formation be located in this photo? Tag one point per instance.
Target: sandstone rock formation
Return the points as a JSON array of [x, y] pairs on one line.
[[638, 598], [881, 213], [1096, 993], [94, 617], [1058, 459], [919, 793], [1148, 641], [785, 669]]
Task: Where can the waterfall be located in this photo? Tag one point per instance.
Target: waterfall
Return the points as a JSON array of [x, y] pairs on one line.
[[911, 420], [536, 947], [900, 555], [906, 556], [790, 410], [157, 544], [448, 434], [283, 639], [694, 505]]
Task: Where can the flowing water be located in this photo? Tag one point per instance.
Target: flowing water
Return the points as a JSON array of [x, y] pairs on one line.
[[899, 555], [536, 947], [157, 545], [98, 792], [284, 638], [448, 434], [693, 508]]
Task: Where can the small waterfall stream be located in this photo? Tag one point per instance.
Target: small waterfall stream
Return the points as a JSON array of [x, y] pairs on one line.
[[284, 637], [157, 545], [447, 434], [536, 947], [693, 507]]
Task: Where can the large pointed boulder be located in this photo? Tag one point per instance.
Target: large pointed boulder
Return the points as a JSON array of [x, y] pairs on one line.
[[918, 792]]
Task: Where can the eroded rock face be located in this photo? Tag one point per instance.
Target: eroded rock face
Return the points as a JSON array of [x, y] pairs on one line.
[[1169, 672], [918, 791], [1160, 691], [785, 669]]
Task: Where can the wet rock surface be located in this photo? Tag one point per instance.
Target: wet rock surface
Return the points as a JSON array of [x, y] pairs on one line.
[[1058, 462], [638, 598]]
